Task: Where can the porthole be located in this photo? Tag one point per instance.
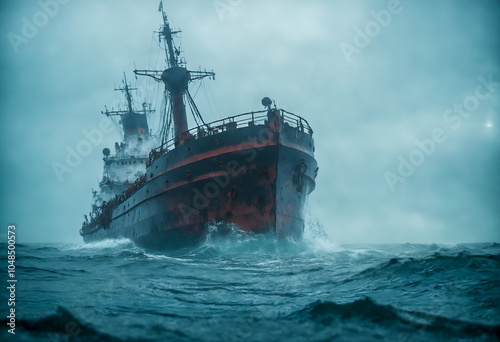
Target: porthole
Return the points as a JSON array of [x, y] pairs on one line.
[[216, 142], [221, 164], [151, 175], [189, 148]]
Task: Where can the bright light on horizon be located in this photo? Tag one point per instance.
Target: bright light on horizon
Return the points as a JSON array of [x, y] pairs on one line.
[[489, 124]]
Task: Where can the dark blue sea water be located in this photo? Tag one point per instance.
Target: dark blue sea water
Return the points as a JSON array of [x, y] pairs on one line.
[[243, 287]]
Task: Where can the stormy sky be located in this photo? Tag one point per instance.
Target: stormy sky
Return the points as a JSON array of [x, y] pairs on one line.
[[403, 97]]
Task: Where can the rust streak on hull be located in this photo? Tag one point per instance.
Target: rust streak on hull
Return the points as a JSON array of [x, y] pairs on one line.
[[258, 185]]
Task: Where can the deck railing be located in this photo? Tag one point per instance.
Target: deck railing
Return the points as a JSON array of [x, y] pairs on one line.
[[229, 123]]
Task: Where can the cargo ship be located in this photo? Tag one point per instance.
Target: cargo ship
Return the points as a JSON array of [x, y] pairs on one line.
[[253, 170]]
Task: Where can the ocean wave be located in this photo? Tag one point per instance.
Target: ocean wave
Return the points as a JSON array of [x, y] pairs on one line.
[[224, 239], [104, 244], [65, 272], [64, 326], [317, 239], [56, 326], [401, 266], [366, 310], [220, 239]]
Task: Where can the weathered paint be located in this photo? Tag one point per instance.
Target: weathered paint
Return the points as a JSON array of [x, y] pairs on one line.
[[256, 177]]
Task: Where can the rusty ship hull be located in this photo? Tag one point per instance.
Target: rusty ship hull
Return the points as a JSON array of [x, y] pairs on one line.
[[252, 171], [256, 177]]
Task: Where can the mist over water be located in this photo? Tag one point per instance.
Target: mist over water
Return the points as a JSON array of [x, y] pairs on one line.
[[238, 286]]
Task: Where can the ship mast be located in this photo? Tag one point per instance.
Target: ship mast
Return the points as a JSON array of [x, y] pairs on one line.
[[176, 79], [134, 122], [127, 90]]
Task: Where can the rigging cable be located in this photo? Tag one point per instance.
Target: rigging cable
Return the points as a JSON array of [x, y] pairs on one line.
[[208, 100], [168, 131], [213, 98], [195, 109], [193, 112], [162, 117]]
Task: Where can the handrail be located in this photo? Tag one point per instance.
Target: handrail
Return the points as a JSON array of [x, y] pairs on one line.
[[222, 125], [300, 124]]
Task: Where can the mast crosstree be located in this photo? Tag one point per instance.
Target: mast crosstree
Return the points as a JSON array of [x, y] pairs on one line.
[[176, 79]]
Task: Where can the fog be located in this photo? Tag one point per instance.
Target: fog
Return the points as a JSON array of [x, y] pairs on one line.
[[403, 97]]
